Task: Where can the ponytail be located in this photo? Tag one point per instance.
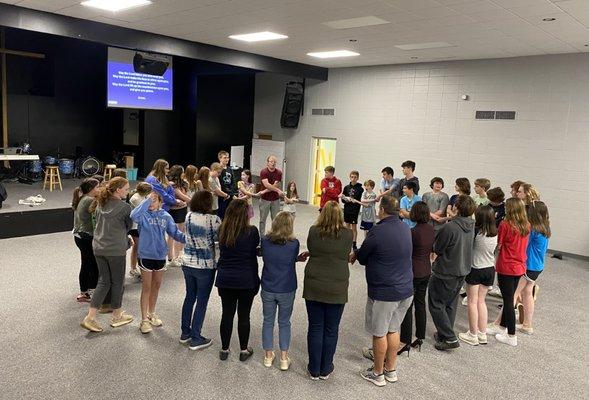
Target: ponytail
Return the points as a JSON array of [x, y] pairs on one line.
[[85, 187], [106, 192]]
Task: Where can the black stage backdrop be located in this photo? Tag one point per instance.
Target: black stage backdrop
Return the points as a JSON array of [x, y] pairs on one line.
[[58, 105]]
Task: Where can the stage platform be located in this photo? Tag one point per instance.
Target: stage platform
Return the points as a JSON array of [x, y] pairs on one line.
[[54, 215]]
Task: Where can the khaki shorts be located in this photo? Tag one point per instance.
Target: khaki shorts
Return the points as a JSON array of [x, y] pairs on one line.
[[384, 317]]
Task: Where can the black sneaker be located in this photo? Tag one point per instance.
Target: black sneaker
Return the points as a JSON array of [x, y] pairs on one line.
[[184, 338], [245, 354], [198, 344], [447, 345], [224, 354]]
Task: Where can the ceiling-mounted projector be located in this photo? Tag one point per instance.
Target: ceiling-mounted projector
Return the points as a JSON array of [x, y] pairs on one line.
[[151, 64]]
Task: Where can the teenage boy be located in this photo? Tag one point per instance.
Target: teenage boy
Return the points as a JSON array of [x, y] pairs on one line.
[[437, 202], [453, 247], [497, 201], [227, 183], [481, 186], [331, 187], [408, 168], [407, 202], [271, 178], [388, 185], [368, 213], [352, 191]]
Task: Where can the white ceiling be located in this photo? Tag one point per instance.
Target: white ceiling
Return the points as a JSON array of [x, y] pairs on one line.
[[476, 28]]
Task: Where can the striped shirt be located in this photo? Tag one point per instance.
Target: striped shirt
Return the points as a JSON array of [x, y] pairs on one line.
[[201, 233]]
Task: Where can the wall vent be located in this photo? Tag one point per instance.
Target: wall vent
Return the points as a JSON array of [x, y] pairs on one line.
[[317, 111], [485, 115], [329, 111], [504, 114]]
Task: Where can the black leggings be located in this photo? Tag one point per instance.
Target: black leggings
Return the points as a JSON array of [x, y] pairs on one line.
[[419, 291], [507, 285], [240, 300], [89, 269]]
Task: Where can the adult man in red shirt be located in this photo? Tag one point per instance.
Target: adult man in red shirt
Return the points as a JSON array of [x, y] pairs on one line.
[[331, 187], [270, 200]]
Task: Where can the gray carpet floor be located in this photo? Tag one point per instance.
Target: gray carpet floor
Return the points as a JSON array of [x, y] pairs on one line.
[[46, 354]]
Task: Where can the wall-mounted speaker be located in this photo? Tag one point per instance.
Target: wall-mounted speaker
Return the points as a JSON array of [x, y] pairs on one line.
[[293, 104]]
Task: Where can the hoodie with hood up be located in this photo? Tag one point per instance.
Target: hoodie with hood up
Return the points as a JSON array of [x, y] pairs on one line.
[[113, 221], [453, 245]]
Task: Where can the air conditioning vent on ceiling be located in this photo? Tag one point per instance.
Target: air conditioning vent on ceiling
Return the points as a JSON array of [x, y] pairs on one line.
[[485, 115], [317, 111], [504, 114]]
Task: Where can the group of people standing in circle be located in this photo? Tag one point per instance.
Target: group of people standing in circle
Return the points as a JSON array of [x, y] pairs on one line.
[[414, 246]]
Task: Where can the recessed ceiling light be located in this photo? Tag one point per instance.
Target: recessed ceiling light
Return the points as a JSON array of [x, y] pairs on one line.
[[258, 36], [115, 5], [421, 46], [334, 54], [548, 19]]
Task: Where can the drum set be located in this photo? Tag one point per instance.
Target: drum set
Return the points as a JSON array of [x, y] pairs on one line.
[[81, 167]]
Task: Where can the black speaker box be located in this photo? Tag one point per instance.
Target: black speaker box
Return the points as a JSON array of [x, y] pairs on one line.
[[292, 106], [151, 64]]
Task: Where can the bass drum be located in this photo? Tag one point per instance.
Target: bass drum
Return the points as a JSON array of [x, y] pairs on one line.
[[89, 166]]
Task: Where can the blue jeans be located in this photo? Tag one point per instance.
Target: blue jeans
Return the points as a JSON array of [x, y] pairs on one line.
[[285, 303], [322, 336], [199, 283]]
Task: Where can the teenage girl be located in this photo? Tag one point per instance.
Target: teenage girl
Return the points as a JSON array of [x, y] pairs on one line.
[[247, 190], [481, 276], [291, 198], [141, 191], [153, 223], [204, 173], [512, 241], [83, 234], [536, 251], [191, 178], [110, 245], [178, 213]]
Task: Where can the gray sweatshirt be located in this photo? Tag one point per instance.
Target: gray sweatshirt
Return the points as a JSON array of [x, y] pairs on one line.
[[83, 217], [113, 221], [453, 245]]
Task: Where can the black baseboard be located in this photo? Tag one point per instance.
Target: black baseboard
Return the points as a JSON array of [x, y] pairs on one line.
[[39, 222]]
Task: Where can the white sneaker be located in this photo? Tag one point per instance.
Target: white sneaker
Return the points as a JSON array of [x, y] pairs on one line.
[[464, 301], [507, 339], [173, 263], [469, 338], [482, 336], [493, 329], [135, 273], [269, 360]]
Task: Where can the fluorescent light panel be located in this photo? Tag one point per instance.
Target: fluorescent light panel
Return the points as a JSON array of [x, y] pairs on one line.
[[115, 5], [334, 54], [356, 22], [421, 46], [258, 36]]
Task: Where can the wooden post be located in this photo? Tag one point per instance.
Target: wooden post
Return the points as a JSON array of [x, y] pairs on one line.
[[3, 52]]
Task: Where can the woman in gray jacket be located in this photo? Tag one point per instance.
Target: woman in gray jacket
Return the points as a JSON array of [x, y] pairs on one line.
[[110, 243]]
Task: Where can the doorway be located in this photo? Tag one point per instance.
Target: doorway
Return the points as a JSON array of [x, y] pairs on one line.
[[323, 154]]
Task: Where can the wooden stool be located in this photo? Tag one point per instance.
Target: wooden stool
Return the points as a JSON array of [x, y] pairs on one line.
[[52, 178], [108, 171]]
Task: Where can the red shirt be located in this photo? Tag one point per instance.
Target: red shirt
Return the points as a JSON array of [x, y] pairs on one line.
[[334, 188], [512, 255], [272, 176]]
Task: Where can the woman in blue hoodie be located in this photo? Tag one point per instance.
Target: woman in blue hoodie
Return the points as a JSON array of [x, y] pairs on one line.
[[153, 223]]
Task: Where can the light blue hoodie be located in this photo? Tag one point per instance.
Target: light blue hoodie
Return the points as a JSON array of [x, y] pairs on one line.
[[153, 226]]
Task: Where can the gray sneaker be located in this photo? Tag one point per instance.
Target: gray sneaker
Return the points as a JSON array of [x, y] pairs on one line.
[[391, 376], [369, 375]]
